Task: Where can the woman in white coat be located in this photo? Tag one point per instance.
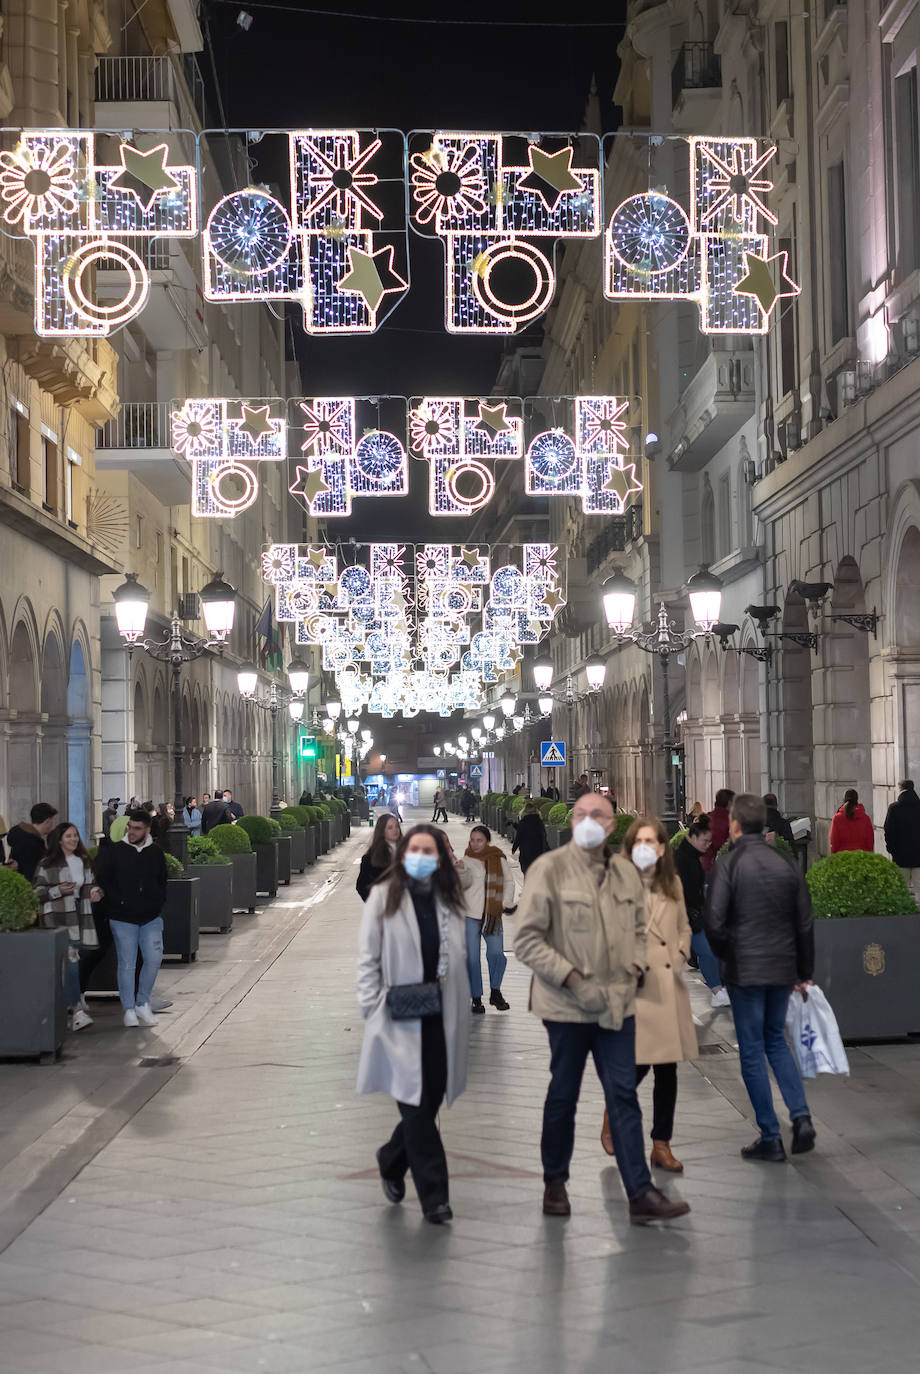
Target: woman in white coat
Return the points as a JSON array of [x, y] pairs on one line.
[[412, 934], [489, 891], [664, 1022]]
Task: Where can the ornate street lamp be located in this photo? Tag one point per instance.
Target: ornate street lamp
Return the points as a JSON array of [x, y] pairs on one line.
[[299, 678]]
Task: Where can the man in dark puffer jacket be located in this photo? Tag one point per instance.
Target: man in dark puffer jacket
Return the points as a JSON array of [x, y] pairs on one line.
[[132, 875], [758, 920]]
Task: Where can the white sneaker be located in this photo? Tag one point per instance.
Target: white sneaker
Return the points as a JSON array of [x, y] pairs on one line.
[[720, 998], [83, 1004], [145, 1015], [130, 1018], [80, 1019]]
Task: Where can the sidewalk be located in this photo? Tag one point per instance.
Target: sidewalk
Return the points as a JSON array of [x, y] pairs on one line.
[[234, 1220]]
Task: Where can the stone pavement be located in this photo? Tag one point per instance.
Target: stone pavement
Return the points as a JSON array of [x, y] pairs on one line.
[[232, 1220]]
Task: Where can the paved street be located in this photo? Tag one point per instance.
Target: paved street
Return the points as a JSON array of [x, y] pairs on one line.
[[224, 1212]]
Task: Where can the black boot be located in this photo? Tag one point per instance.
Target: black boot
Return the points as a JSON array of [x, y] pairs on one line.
[[803, 1135], [477, 1008], [497, 1001], [771, 1151]]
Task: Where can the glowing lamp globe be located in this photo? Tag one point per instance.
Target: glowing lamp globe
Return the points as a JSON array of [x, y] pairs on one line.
[[131, 603], [436, 750], [295, 710], [546, 706], [367, 736], [517, 722], [489, 721], [596, 672], [705, 591], [334, 709], [298, 676], [619, 595], [507, 703], [328, 725], [543, 672], [246, 680], [218, 605], [353, 726], [476, 732]]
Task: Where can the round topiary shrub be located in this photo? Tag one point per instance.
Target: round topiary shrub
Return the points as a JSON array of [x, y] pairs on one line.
[[201, 847], [229, 839], [287, 821], [275, 827], [300, 814], [678, 838], [857, 883], [258, 828], [18, 902], [517, 805], [173, 867], [544, 805], [557, 814]]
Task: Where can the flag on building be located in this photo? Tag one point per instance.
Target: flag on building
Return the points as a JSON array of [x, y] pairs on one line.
[[271, 654]]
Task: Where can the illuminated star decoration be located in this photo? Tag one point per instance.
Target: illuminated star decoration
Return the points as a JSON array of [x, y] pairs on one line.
[[553, 600], [341, 179], [317, 556], [145, 175], [470, 557], [256, 423], [308, 485], [371, 276], [622, 482], [493, 418], [759, 280], [550, 175], [738, 184]]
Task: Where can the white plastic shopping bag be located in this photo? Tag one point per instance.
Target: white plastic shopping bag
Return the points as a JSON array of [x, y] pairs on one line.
[[812, 1029]]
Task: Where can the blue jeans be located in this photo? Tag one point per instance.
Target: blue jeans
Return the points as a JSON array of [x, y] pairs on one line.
[[614, 1052], [760, 1022], [709, 964], [495, 957], [130, 938], [72, 975]]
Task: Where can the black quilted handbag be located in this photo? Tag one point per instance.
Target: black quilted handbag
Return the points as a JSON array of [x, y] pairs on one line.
[[410, 1001]]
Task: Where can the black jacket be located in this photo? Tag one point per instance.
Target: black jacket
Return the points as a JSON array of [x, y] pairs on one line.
[[214, 813], [777, 822], [693, 880], [235, 809], [133, 881], [758, 916], [902, 830], [530, 840], [368, 874], [27, 847]]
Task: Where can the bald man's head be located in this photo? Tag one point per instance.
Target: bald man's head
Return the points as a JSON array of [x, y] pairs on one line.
[[598, 807]]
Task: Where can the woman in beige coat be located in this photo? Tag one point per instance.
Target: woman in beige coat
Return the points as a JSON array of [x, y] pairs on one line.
[[664, 1023]]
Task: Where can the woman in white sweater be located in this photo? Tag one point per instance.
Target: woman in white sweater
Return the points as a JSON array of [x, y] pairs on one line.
[[488, 893]]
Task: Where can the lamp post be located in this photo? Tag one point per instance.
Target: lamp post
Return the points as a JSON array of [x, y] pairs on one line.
[[595, 672], [299, 679], [218, 606], [664, 640]]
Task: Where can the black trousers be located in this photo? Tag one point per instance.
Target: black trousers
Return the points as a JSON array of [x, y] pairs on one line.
[[416, 1145], [664, 1098]]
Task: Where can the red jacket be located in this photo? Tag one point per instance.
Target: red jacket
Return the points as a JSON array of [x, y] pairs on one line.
[[718, 824], [857, 833]]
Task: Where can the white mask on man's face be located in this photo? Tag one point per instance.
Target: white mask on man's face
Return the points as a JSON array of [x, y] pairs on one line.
[[588, 833]]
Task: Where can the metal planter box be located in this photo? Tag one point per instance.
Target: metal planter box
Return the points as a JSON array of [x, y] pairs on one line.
[[267, 867], [215, 895], [325, 836], [298, 839], [244, 881], [867, 967], [180, 919], [558, 836], [33, 1009], [283, 845], [312, 834]]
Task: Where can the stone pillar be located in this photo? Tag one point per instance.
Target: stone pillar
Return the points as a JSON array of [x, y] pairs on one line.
[[118, 775]]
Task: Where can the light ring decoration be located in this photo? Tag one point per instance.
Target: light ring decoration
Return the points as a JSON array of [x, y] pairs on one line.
[[553, 458], [249, 232], [650, 233], [544, 281], [355, 582], [380, 458], [250, 490], [486, 487], [87, 255]]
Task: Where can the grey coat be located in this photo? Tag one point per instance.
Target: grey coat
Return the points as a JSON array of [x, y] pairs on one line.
[[390, 953]]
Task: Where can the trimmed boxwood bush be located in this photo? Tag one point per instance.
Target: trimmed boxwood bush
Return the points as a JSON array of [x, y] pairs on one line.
[[517, 805], [18, 902], [301, 814], [288, 822], [173, 867], [678, 838], [229, 839], [857, 883], [203, 850], [624, 820], [544, 805], [258, 828], [557, 814], [275, 826]]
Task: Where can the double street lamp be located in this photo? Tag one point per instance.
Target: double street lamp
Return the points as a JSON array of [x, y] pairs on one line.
[[218, 607], [298, 674]]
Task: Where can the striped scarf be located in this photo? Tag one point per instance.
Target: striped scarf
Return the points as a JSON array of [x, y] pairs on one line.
[[492, 858]]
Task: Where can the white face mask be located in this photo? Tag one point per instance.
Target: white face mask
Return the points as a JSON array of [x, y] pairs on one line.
[[644, 856], [588, 833]]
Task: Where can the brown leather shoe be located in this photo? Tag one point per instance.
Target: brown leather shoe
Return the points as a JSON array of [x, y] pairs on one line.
[[654, 1206], [663, 1159], [556, 1200], [606, 1137]]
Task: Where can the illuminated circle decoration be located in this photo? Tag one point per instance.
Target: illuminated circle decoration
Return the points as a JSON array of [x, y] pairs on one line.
[[553, 458], [380, 458], [544, 284], [111, 313], [249, 233], [650, 233], [508, 587], [355, 582], [234, 487], [486, 485]]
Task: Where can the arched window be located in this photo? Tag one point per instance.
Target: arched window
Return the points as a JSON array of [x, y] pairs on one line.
[[707, 522]]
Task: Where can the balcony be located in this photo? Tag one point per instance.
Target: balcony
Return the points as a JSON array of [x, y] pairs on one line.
[[137, 441], [716, 403], [150, 81], [618, 532], [77, 372], [696, 85]]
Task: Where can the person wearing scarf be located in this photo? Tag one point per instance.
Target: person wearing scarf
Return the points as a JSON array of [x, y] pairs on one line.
[[66, 893], [489, 894]]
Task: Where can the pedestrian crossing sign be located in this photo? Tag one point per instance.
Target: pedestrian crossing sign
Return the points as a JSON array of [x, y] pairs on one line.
[[476, 770], [552, 753]]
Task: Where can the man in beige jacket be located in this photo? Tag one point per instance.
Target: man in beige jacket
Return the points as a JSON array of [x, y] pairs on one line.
[[581, 929]]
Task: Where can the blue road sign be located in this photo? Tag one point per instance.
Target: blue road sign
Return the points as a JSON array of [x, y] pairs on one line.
[[552, 753], [476, 770]]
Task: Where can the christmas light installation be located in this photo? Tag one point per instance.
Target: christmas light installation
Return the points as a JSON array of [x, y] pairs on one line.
[[717, 254], [79, 214], [339, 465], [591, 465], [454, 435], [488, 210], [223, 438], [327, 253]]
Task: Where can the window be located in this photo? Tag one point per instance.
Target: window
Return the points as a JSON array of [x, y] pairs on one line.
[[781, 50], [50, 499], [185, 578], [158, 548], [19, 450], [725, 515], [788, 365], [745, 513], [907, 172], [837, 253], [72, 460], [138, 531], [707, 524]]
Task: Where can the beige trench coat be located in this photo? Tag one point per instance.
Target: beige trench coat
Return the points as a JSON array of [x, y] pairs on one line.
[[664, 1022]]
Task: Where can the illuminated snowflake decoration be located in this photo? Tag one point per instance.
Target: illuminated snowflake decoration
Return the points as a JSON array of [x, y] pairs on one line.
[[448, 183], [601, 425], [433, 428], [339, 179], [224, 440], [328, 426], [196, 429], [734, 182], [278, 563], [38, 181]]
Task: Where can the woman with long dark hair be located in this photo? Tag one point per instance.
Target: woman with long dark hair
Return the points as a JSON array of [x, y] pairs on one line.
[[851, 827], [489, 892], [378, 856], [66, 892], [413, 992], [664, 1021]]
